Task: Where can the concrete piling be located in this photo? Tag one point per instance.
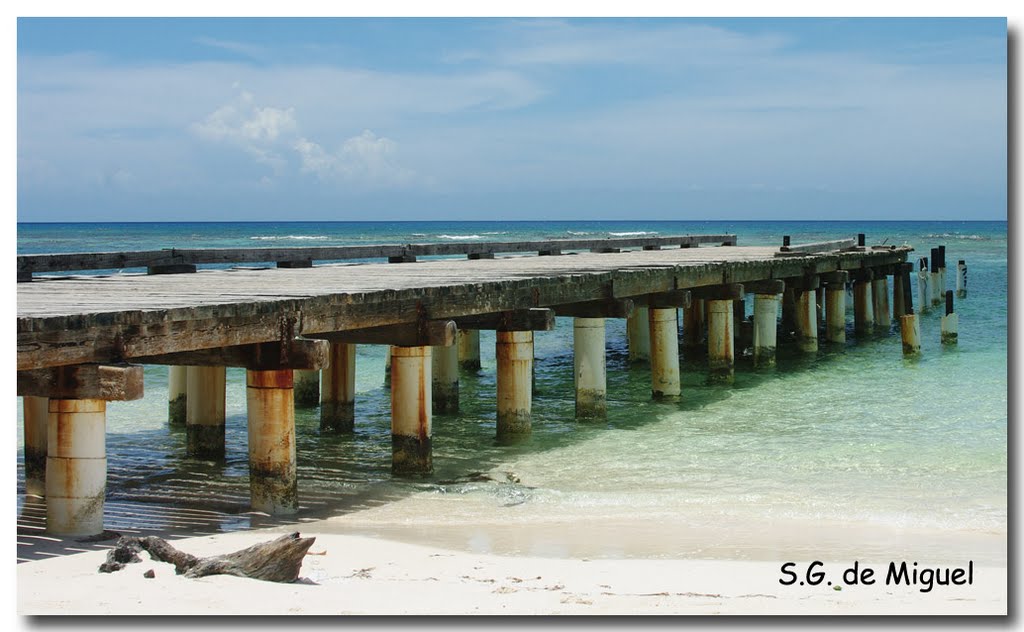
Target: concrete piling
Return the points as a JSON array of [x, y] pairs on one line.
[[307, 388], [273, 477], [177, 393], [469, 349], [589, 367], [721, 354], [961, 279], [638, 335], [693, 325], [514, 355], [76, 466], [807, 321], [204, 411], [445, 379], [835, 310], [942, 271], [37, 418], [766, 315], [411, 410], [950, 322], [665, 353], [338, 389], [935, 280], [880, 302], [910, 331], [863, 308]]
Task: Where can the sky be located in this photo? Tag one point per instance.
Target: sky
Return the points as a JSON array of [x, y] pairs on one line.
[[278, 119]]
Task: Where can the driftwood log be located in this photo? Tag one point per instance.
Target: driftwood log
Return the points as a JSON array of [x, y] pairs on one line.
[[275, 561]]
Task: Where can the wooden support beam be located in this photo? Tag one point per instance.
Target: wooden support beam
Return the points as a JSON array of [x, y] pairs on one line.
[[862, 274], [300, 354], [816, 247], [836, 277], [83, 381], [769, 286], [534, 319], [725, 292], [608, 308], [295, 263], [803, 283], [666, 300], [402, 258], [606, 250], [171, 268], [480, 255], [430, 333]]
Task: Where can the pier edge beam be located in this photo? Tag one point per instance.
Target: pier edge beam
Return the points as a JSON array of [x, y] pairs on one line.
[[177, 394], [307, 387], [411, 409], [721, 349], [638, 335], [880, 301], [445, 379], [205, 411], [766, 317], [338, 389], [36, 418], [514, 355], [589, 367], [273, 475], [664, 353], [76, 466], [469, 349]]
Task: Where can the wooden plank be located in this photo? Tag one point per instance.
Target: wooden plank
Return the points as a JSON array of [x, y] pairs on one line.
[[434, 333], [83, 381], [724, 292], [533, 319], [773, 286], [817, 246], [665, 300]]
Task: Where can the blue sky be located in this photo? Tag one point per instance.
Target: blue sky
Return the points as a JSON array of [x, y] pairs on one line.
[[363, 119]]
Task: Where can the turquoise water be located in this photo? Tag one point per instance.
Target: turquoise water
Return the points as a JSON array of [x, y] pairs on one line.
[[856, 439]]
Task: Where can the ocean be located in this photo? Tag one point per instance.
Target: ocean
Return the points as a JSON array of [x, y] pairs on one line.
[[853, 453]]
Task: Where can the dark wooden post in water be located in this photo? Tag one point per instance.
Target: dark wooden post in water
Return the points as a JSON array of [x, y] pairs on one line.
[[942, 270], [961, 279], [950, 322], [936, 279], [900, 276]]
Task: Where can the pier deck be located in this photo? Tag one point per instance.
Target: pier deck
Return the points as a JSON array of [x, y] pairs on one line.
[[117, 318]]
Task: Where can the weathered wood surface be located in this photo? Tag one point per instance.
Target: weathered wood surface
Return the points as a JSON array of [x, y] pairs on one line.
[[171, 259], [276, 561], [817, 246], [120, 317], [83, 381]]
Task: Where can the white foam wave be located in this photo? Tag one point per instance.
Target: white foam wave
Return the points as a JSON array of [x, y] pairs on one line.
[[457, 237], [634, 233], [957, 236], [581, 232], [289, 237]]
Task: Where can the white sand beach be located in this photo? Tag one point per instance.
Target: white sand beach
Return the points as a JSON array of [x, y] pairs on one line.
[[346, 574]]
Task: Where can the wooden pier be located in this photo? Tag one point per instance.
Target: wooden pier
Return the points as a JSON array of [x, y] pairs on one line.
[[83, 339]]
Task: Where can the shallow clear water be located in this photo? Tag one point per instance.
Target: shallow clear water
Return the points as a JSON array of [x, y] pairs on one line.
[[858, 437]]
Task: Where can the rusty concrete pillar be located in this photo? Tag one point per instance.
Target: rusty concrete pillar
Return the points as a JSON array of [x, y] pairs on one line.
[[835, 313], [807, 321], [950, 322], [766, 315], [693, 324], [910, 331], [721, 349], [37, 418], [307, 387], [76, 466], [204, 411], [589, 367], [445, 371], [273, 476], [880, 302], [664, 353], [469, 349], [411, 451], [338, 389], [863, 308], [638, 335], [514, 353], [177, 393]]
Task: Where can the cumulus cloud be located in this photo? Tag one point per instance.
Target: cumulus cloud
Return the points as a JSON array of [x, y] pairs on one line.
[[254, 129], [367, 158]]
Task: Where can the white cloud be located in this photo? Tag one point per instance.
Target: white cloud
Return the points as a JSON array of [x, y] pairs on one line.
[[365, 159], [254, 129]]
